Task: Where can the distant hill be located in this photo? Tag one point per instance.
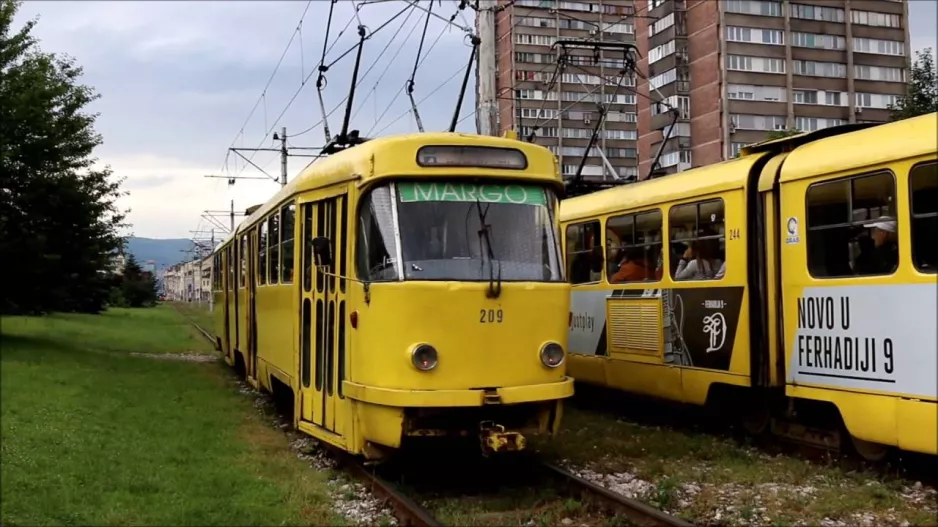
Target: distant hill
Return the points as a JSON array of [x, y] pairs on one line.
[[163, 252]]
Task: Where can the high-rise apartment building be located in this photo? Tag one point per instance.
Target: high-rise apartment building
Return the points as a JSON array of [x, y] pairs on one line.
[[737, 69], [561, 107]]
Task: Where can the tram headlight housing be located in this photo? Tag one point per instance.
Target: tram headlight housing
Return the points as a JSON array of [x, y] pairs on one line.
[[424, 357], [552, 355]]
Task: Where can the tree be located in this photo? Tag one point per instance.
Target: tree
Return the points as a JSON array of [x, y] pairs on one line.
[[921, 94], [58, 215], [138, 287], [779, 134]]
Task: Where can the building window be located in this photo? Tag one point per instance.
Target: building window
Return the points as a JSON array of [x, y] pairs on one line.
[[879, 73], [758, 122], [869, 18], [584, 253], [757, 64], [804, 97], [633, 248], [840, 218], [879, 47], [754, 7], [833, 98], [811, 40], [735, 148], [698, 246], [755, 93], [810, 12], [923, 189], [876, 100], [820, 69], [661, 52], [661, 25]]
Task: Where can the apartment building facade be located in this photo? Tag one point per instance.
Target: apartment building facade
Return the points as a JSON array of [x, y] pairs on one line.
[[560, 107], [734, 70]]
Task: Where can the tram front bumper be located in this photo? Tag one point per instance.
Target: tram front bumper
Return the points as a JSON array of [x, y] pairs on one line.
[[458, 398]]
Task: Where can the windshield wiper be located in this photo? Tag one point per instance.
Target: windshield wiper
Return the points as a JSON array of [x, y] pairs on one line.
[[495, 284]]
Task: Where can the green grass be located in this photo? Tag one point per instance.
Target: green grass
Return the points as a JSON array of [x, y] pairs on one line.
[[90, 435], [154, 330], [197, 312]]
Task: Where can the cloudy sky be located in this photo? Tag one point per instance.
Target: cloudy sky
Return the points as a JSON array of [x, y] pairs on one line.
[[178, 81]]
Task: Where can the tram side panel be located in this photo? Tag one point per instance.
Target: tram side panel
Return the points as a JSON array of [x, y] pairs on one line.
[[672, 336], [862, 338]]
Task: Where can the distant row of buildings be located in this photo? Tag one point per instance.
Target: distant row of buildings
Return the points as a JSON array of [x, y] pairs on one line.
[[188, 281]]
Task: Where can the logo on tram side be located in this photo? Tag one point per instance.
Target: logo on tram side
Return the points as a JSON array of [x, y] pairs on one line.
[[792, 231]]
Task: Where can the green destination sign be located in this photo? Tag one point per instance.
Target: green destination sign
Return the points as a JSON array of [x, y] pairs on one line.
[[410, 191]]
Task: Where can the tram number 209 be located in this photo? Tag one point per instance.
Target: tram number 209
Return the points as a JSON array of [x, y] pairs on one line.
[[491, 316]]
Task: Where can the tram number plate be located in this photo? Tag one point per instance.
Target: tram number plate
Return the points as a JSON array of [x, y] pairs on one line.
[[491, 316]]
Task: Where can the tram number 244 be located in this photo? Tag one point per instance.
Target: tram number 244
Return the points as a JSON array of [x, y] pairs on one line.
[[491, 316]]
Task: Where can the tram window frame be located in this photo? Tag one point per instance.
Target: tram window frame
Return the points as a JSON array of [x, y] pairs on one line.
[[244, 261], [273, 248], [916, 218], [676, 239], [262, 253], [287, 228], [572, 256], [817, 246], [612, 265]]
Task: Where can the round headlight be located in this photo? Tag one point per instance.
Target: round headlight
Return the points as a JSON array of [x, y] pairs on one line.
[[424, 357], [552, 355]]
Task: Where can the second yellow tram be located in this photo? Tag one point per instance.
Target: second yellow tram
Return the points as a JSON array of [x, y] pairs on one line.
[[795, 284]]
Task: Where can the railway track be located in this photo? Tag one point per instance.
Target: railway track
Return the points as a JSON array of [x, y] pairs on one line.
[[409, 513], [633, 510]]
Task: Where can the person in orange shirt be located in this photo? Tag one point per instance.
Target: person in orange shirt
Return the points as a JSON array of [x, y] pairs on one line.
[[632, 268]]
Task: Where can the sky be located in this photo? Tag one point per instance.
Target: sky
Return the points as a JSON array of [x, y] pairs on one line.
[[178, 81]]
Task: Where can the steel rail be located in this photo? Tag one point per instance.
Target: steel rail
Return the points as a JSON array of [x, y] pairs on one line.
[[636, 511]]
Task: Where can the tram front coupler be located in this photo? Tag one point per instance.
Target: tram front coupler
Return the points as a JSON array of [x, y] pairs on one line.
[[495, 439]]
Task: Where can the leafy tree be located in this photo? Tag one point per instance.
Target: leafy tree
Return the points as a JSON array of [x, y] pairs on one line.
[[921, 94], [138, 287], [779, 134], [58, 216]]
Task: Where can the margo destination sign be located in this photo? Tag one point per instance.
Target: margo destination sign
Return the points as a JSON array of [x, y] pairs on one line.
[[418, 191]]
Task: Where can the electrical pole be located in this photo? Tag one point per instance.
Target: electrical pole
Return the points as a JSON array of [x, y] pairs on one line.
[[486, 70], [283, 156], [231, 216]]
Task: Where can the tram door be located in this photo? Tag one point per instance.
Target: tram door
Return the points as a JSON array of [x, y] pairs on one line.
[[251, 290], [244, 303], [322, 312], [235, 284]]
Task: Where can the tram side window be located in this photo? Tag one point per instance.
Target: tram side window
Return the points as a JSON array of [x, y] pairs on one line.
[[698, 241], [262, 254], [852, 229], [273, 247], [584, 253], [375, 248], [633, 245], [244, 258], [287, 215], [923, 189]]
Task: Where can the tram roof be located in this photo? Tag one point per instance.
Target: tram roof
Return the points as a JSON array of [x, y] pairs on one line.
[[702, 181], [396, 156], [869, 147]]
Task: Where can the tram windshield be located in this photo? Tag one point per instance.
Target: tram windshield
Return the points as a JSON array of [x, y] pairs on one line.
[[452, 230]]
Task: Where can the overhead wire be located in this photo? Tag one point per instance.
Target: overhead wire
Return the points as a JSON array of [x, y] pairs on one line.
[[270, 79]]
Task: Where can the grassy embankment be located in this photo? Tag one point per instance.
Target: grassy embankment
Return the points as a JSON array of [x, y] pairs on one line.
[[96, 436]]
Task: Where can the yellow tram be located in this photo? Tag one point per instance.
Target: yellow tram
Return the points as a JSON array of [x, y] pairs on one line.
[[409, 286], [796, 285]]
